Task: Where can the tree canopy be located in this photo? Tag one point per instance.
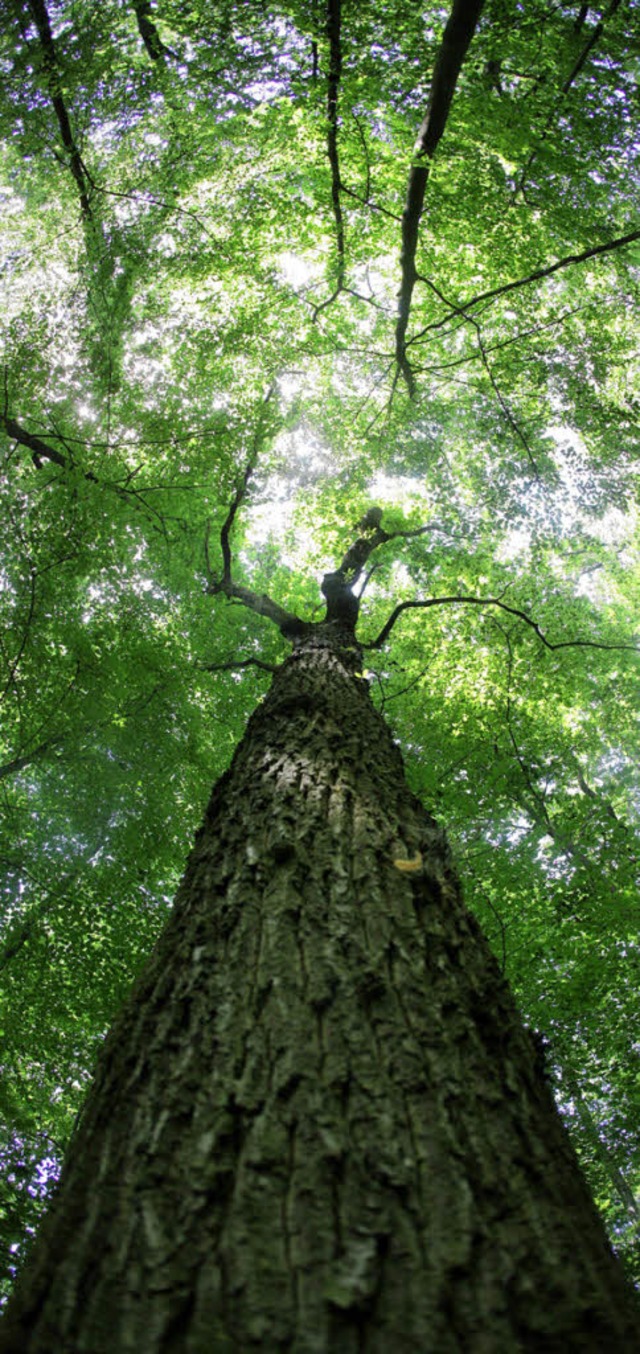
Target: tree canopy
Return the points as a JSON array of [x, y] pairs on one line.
[[381, 255]]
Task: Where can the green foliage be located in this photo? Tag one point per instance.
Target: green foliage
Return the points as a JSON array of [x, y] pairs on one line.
[[139, 343]]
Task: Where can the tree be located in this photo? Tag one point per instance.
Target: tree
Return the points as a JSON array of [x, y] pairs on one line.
[[183, 301], [318, 1123]]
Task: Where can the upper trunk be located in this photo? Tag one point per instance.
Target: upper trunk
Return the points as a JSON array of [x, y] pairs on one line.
[[318, 1124]]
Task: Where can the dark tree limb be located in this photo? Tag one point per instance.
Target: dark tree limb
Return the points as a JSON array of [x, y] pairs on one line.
[[287, 622], [42, 451], [290, 625], [589, 45], [365, 152], [332, 29], [337, 587], [14, 663], [234, 665], [594, 38], [456, 38], [463, 600], [335, 71], [355, 558], [149, 33], [16, 764], [237, 500], [229, 520], [580, 18], [463, 306], [51, 69]]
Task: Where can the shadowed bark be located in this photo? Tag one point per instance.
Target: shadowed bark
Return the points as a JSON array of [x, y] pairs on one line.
[[318, 1123]]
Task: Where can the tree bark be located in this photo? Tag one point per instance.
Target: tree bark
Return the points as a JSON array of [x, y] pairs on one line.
[[318, 1124]]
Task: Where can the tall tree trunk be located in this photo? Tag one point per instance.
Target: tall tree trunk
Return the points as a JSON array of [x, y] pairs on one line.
[[318, 1125]]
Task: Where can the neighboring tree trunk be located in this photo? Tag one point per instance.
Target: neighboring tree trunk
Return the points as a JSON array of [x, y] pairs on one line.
[[318, 1125], [601, 1151]]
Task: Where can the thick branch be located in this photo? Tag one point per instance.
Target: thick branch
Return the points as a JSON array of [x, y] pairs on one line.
[[460, 28], [456, 38], [337, 588], [588, 47], [287, 622], [19, 763], [580, 18], [355, 558], [42, 451], [229, 520], [236, 501], [149, 33], [50, 66], [490, 601], [335, 70]]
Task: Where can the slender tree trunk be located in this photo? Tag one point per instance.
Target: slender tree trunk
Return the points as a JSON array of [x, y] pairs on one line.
[[602, 1153], [318, 1125]]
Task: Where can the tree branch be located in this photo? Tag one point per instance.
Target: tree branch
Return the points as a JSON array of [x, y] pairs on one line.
[[230, 518], [365, 202], [290, 625], [234, 664], [236, 501], [573, 75], [355, 558], [335, 70], [149, 33], [490, 601], [337, 587], [51, 70], [18, 763], [456, 38], [539, 273], [42, 451], [513, 424]]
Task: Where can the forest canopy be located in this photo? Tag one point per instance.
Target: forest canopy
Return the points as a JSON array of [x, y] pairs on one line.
[[384, 255]]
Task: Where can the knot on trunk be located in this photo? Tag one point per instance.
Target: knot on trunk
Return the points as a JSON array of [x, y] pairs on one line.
[[342, 604]]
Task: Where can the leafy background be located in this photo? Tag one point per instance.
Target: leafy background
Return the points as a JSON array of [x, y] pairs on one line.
[[165, 267]]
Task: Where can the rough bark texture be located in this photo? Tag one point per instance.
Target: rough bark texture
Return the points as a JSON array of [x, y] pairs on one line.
[[318, 1125]]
